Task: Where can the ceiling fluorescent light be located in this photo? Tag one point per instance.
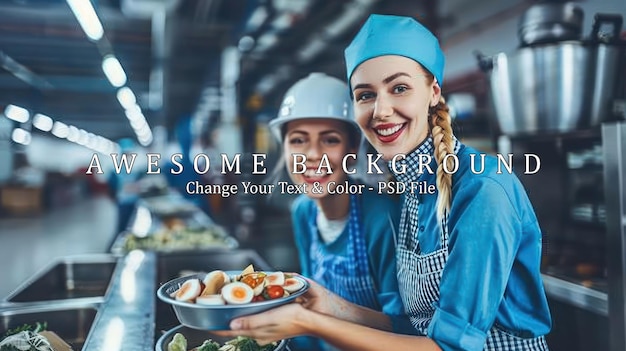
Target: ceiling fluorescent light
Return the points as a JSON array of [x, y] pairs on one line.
[[138, 123], [126, 97], [283, 21], [21, 136], [114, 71], [16, 113], [292, 6], [312, 49], [143, 131], [87, 18], [257, 18], [265, 42], [42, 122], [344, 21], [60, 130], [134, 114], [266, 84], [146, 141], [73, 134]]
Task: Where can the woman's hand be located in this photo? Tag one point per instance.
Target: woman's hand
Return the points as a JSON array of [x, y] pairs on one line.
[[319, 299], [324, 301], [283, 322]]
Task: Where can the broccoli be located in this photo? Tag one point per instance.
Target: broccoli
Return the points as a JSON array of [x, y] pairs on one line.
[[208, 345], [243, 343]]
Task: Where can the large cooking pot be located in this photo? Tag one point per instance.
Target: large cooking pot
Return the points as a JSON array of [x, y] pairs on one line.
[[608, 66], [548, 22], [556, 87]]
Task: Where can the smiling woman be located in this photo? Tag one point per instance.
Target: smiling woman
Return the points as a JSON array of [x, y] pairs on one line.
[[342, 232], [467, 254]]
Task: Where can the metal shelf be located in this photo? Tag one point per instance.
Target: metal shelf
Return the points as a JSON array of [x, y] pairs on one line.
[[576, 294]]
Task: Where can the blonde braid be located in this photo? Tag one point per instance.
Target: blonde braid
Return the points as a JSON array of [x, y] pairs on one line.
[[441, 130]]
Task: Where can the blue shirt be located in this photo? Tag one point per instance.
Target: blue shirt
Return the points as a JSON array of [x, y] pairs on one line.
[[492, 275], [376, 210]]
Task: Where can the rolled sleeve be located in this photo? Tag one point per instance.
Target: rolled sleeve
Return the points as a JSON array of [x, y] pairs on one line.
[[482, 249], [454, 333]]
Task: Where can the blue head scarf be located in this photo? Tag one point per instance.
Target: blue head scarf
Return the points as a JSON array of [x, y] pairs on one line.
[[395, 35]]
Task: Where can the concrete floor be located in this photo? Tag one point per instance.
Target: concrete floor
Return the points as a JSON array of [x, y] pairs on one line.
[[29, 243]]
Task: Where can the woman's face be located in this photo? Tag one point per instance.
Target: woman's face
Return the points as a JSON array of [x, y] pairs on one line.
[[392, 95], [315, 138]]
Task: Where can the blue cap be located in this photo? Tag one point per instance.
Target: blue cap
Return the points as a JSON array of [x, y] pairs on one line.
[[395, 35]]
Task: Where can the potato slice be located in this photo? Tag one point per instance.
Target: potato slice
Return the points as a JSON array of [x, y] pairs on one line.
[[214, 281]]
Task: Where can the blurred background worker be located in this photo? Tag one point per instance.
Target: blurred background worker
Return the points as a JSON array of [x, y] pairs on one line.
[[124, 186]]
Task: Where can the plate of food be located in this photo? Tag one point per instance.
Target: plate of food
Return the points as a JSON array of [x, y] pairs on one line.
[[209, 301], [183, 338]]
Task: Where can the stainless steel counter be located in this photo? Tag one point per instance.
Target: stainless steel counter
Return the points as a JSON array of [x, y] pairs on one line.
[[128, 316], [576, 294], [125, 321]]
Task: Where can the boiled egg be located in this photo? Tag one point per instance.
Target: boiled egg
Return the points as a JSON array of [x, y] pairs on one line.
[[214, 281], [293, 284], [210, 300], [189, 290], [259, 288], [237, 293], [276, 278]]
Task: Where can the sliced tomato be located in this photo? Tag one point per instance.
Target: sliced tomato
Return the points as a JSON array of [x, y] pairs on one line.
[[273, 292]]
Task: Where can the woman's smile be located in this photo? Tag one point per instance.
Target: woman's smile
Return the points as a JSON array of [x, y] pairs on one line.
[[311, 176], [389, 132]]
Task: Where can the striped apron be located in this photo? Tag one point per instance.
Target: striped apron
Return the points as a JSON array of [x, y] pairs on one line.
[[419, 279], [348, 276]]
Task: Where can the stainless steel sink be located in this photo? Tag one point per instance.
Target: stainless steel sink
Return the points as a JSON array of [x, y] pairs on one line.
[[173, 265], [71, 277], [71, 323]]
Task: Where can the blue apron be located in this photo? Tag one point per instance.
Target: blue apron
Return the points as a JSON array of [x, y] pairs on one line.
[[419, 279], [348, 276]]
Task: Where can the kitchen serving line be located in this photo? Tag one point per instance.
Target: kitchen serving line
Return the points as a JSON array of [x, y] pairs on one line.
[[104, 302], [122, 314]]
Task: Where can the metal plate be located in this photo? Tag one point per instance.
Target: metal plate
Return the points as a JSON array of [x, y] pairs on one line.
[[196, 337], [218, 317]]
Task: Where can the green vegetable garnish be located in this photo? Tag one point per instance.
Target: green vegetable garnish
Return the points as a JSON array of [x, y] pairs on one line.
[[243, 343], [208, 345], [178, 343], [38, 327]]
